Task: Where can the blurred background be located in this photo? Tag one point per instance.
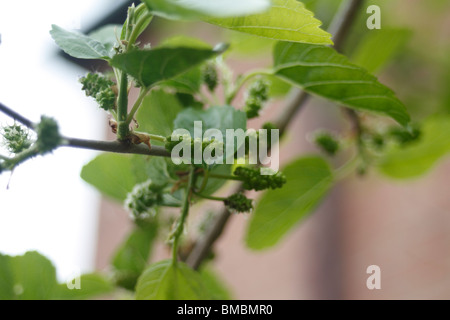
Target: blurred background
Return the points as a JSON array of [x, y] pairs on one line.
[[401, 226]]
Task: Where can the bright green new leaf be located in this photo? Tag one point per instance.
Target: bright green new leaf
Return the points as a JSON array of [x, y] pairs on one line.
[[278, 87], [420, 156], [91, 285], [79, 45], [197, 9], [279, 210], [214, 284], [378, 47], [33, 277], [27, 277], [166, 281], [249, 46], [287, 20], [159, 64], [321, 70], [111, 175], [131, 258], [157, 112]]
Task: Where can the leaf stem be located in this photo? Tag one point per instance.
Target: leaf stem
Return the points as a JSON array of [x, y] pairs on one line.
[[208, 197], [123, 129], [184, 213], [224, 176], [142, 94], [205, 181], [157, 137]]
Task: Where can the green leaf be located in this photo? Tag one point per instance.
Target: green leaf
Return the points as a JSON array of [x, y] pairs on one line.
[[158, 112], [245, 45], [27, 277], [33, 277], [91, 285], [111, 175], [379, 46], [196, 9], [279, 210], [287, 20], [107, 35], [190, 81], [159, 64], [321, 70], [278, 87], [166, 281], [79, 45], [131, 258], [214, 284], [419, 157], [6, 279]]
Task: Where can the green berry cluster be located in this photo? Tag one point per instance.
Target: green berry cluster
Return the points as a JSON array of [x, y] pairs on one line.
[[254, 180], [327, 142], [257, 95], [143, 200], [100, 88], [48, 135], [16, 138], [239, 203], [210, 77]]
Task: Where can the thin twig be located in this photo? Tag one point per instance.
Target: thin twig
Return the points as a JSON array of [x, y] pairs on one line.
[[17, 117], [108, 146], [340, 28], [115, 146]]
